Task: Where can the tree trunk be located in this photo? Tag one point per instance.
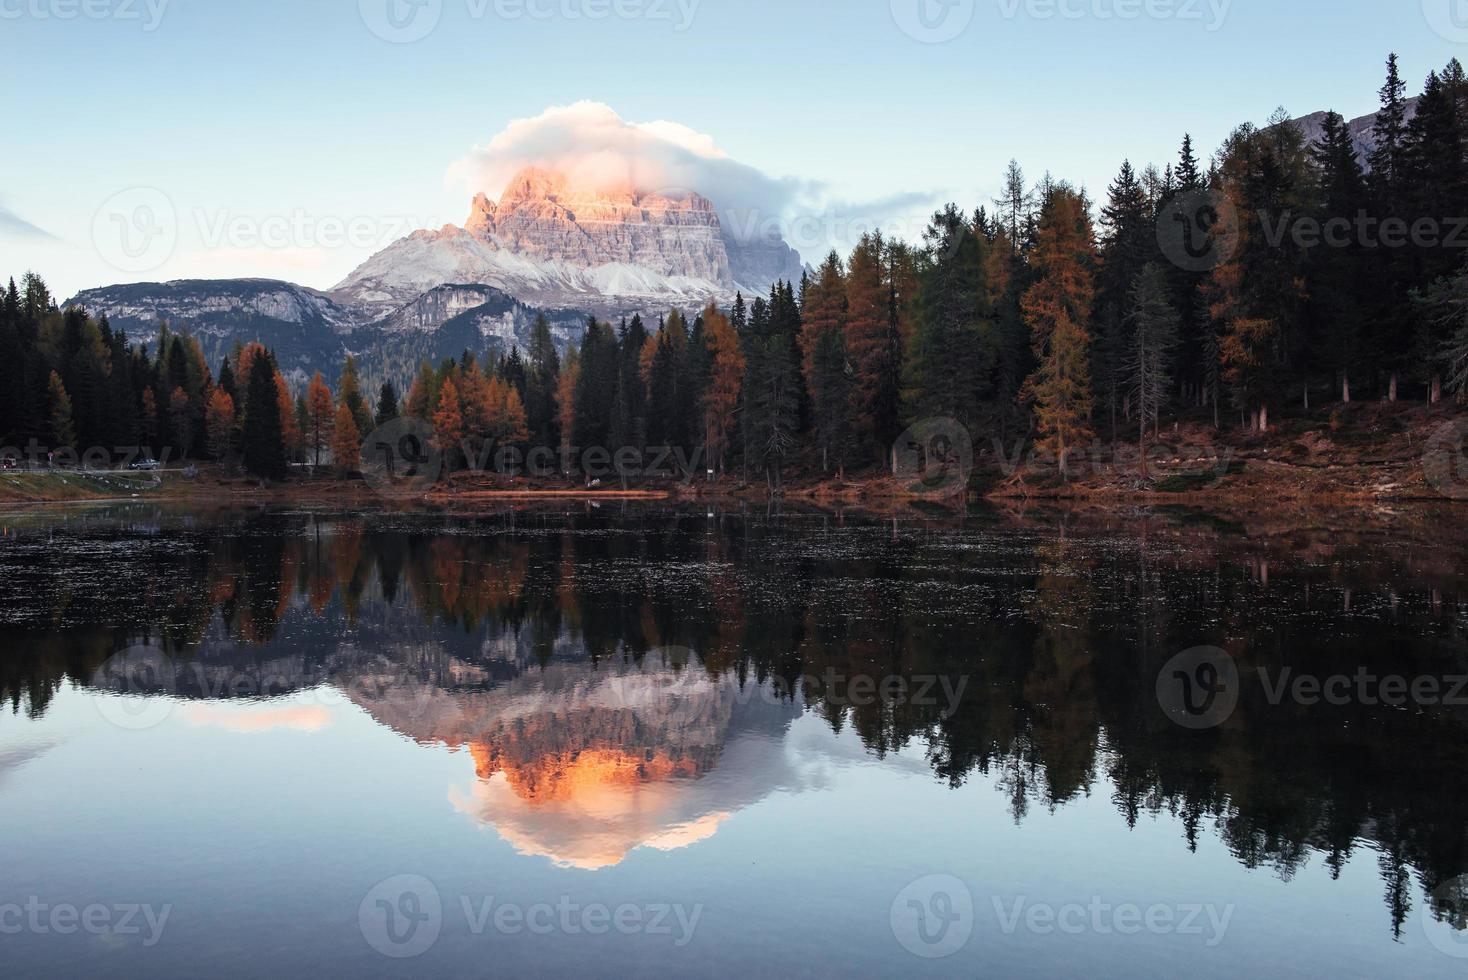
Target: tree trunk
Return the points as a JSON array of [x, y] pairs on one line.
[[1263, 418], [1307, 396], [1142, 448], [1392, 390], [1346, 388], [1437, 390]]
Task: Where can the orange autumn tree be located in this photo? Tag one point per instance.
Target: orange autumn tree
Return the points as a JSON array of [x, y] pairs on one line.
[[320, 418], [219, 424], [822, 311], [1057, 310], [346, 442], [507, 424], [448, 422], [874, 351], [726, 378], [566, 398], [290, 429], [476, 408]]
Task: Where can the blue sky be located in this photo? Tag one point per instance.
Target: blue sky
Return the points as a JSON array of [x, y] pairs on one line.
[[287, 138]]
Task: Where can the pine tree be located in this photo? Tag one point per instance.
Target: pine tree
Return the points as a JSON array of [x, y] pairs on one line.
[[349, 393], [1339, 272], [1128, 242], [387, 405], [1389, 139], [1189, 178], [955, 343], [540, 386], [263, 435], [832, 378], [63, 430], [1154, 328]]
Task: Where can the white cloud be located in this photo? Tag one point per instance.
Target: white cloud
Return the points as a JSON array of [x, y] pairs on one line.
[[595, 147]]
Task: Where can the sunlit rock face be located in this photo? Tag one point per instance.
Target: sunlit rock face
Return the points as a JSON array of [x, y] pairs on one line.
[[549, 242], [584, 765]]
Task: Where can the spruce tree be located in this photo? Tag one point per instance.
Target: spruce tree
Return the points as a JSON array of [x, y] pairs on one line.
[[262, 438], [387, 405], [1153, 336]]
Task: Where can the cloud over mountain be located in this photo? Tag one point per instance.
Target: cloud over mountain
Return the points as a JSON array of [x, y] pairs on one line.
[[595, 147]]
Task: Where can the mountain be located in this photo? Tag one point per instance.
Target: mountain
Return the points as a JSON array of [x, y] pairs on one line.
[[553, 243], [546, 246], [309, 331], [1363, 130]]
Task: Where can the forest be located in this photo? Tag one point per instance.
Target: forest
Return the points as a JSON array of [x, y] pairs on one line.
[[1306, 277]]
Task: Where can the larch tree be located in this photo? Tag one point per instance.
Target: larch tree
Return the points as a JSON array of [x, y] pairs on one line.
[[448, 423], [726, 380], [219, 422], [320, 418], [346, 442], [872, 345], [566, 387], [1057, 309]]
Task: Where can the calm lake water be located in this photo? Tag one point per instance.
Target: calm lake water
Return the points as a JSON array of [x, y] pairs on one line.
[[636, 741]]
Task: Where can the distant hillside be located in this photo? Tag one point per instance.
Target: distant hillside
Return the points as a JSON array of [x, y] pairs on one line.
[[309, 331]]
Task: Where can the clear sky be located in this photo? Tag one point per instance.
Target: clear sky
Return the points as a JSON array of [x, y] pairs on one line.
[[292, 138]]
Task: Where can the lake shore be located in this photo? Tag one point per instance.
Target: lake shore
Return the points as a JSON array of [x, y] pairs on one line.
[[1352, 455]]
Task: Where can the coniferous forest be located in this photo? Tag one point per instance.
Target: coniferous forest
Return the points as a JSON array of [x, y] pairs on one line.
[[1281, 275]]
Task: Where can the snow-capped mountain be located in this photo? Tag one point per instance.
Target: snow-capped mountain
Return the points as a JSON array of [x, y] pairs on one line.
[[547, 246], [551, 243]]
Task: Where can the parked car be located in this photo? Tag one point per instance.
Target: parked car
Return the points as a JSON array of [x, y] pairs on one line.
[[9, 463], [147, 463]]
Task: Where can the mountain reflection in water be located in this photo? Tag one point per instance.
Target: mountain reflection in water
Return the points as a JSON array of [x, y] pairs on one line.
[[625, 679]]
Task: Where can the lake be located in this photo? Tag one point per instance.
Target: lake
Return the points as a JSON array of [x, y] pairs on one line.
[[638, 740]]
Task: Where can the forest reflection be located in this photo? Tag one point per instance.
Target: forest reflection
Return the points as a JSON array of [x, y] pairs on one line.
[[598, 666]]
